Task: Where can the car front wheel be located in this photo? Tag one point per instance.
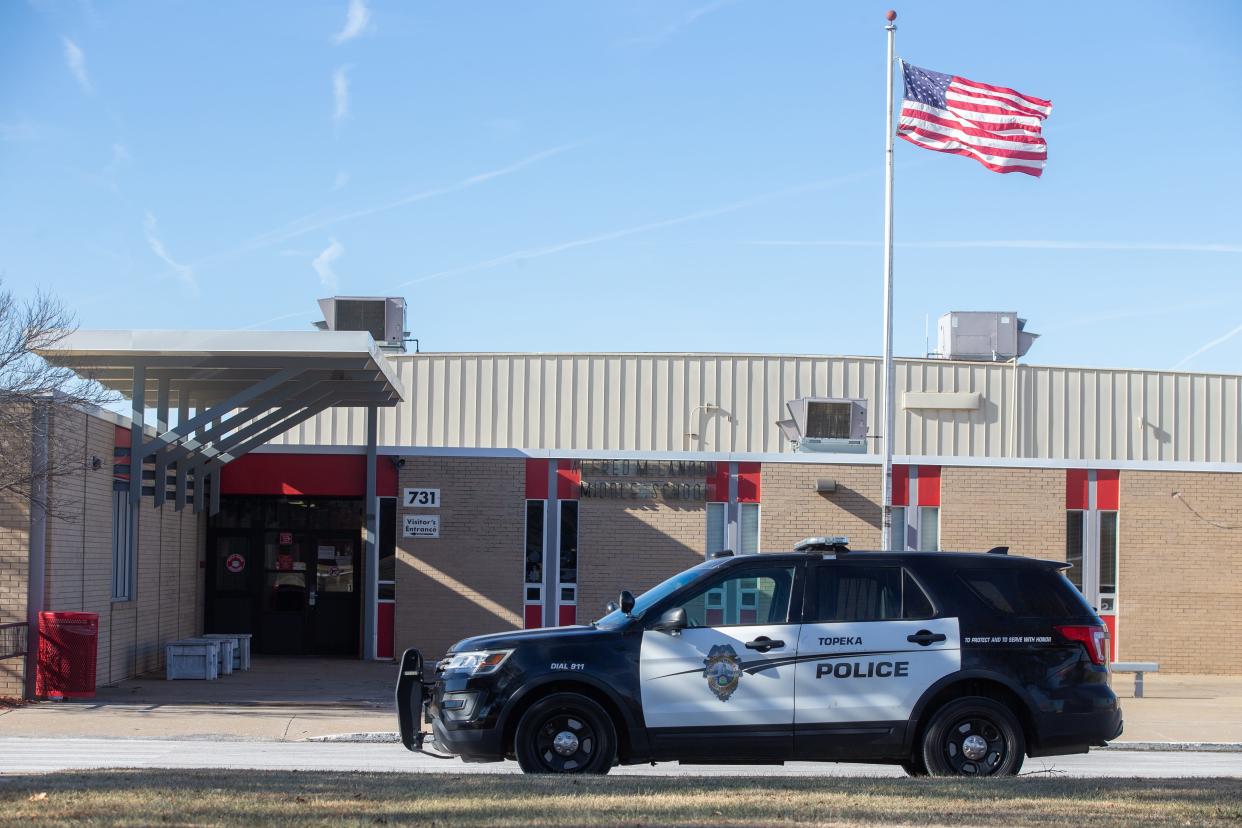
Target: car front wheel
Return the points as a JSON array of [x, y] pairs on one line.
[[565, 733], [974, 736]]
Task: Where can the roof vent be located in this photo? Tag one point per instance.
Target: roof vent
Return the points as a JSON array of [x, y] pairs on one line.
[[381, 316]]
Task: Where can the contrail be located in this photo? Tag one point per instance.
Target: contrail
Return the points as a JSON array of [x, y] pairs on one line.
[[309, 223], [1220, 340], [549, 250]]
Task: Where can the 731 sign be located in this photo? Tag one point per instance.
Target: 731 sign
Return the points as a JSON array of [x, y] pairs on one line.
[[422, 498]]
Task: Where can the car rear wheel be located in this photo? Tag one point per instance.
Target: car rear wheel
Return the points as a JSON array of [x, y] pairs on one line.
[[974, 736], [565, 733]]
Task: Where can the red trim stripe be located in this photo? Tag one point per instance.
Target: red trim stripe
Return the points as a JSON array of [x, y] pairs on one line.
[[1004, 90]]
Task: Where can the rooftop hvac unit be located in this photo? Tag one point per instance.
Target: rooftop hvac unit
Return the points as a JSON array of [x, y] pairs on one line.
[[381, 316], [826, 424], [995, 336]]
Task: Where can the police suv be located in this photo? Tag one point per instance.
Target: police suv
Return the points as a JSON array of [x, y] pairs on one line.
[[944, 663]]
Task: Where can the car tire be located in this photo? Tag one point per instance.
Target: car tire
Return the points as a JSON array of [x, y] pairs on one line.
[[914, 766], [565, 733], [973, 736]]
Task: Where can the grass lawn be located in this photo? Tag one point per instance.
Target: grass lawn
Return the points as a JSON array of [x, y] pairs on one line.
[[315, 798]]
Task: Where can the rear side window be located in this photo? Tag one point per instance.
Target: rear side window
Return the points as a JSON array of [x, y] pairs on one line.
[[1024, 592], [867, 593]]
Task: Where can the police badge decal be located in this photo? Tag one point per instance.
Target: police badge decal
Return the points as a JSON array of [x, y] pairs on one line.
[[722, 670]]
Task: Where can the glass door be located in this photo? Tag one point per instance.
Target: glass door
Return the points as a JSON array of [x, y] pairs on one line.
[[334, 596], [288, 561]]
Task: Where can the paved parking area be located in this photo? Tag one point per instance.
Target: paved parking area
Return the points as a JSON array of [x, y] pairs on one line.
[[47, 755]]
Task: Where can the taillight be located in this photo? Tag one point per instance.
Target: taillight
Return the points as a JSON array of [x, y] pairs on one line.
[[1093, 638]]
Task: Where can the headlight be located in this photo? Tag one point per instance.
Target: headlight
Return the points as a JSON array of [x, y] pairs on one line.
[[477, 662]]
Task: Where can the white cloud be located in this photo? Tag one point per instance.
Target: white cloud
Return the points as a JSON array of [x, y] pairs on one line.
[[76, 61], [357, 21], [686, 20], [120, 157], [323, 264], [340, 95], [341, 181], [183, 272]]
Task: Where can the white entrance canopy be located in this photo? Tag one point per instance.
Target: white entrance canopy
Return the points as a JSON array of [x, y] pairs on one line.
[[231, 391]]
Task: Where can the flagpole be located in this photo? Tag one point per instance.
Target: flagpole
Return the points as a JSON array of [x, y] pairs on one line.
[[887, 435]]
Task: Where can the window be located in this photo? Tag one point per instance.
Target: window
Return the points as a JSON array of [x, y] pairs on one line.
[[387, 548], [534, 541], [918, 530], [1108, 553], [569, 541], [1074, 519], [867, 593], [717, 527], [1025, 593], [748, 528], [122, 546], [757, 596]]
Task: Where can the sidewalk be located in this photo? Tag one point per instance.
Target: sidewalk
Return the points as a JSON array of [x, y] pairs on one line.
[[278, 699], [290, 699]]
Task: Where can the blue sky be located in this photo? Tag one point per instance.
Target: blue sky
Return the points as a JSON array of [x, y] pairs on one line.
[[630, 175]]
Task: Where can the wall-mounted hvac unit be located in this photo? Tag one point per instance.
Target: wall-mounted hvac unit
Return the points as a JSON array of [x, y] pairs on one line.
[[381, 316], [826, 424]]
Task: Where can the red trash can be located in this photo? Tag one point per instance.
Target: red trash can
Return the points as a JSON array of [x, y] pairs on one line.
[[67, 647]]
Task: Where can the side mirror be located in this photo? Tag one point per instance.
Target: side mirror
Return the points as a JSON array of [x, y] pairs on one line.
[[626, 601], [672, 621], [611, 606]]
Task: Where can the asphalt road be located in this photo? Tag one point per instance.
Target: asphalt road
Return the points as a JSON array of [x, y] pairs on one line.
[[32, 755]]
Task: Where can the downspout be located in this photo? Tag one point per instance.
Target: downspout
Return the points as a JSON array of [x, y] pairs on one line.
[[37, 559]]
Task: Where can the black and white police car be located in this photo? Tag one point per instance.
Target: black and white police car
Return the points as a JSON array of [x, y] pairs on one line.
[[944, 663]]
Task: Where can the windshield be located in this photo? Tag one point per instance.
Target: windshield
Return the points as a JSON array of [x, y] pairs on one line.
[[657, 593]]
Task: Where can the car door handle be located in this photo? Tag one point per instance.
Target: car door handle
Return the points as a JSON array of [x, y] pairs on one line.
[[925, 637], [763, 644]]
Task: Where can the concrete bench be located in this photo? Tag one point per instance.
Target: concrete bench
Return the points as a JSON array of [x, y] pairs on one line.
[[241, 647], [196, 658], [1138, 668]]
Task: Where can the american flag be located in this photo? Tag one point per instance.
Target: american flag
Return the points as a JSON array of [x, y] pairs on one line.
[[998, 127]]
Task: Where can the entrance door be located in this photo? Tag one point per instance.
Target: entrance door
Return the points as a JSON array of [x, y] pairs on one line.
[[728, 678], [334, 596], [229, 580], [310, 598]]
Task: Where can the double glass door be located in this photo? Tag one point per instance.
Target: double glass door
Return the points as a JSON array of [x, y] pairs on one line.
[[297, 592]]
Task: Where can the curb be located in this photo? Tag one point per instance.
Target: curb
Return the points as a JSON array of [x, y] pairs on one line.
[[1196, 747], [378, 737]]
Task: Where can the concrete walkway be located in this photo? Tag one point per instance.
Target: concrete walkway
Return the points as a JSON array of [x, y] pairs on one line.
[[278, 699], [292, 699]]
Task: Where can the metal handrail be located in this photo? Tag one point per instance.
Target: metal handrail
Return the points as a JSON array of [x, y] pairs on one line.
[[13, 639]]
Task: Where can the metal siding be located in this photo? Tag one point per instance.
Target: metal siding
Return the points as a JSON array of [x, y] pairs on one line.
[[647, 402]]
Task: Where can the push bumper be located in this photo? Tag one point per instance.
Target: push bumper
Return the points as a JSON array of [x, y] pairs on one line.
[[412, 696], [416, 704]]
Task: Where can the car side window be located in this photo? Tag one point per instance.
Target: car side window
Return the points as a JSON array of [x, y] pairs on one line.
[[754, 596], [867, 593]]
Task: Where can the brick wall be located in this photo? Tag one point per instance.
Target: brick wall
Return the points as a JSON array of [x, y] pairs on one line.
[[1179, 591], [167, 603], [793, 510], [627, 544], [14, 553], [469, 580], [1023, 509]]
